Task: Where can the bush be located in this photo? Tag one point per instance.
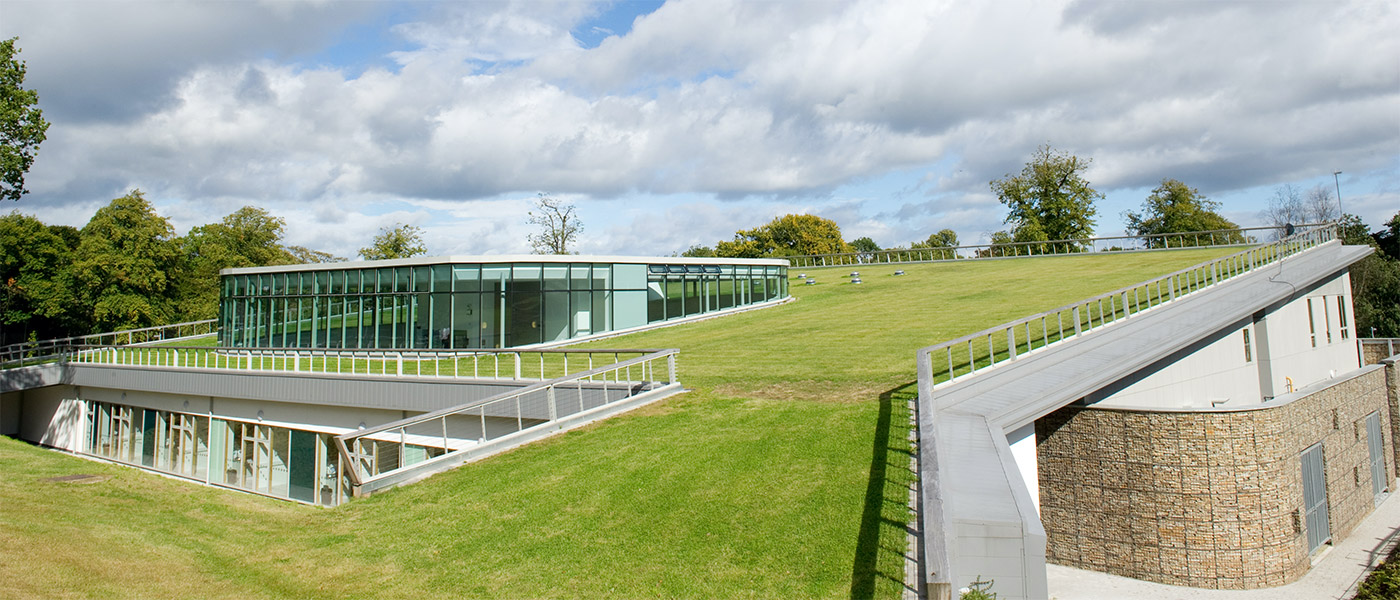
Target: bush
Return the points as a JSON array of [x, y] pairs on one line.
[[1384, 582]]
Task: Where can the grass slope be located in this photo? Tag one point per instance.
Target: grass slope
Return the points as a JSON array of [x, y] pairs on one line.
[[783, 473]]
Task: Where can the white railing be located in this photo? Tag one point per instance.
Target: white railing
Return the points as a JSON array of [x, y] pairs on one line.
[[436, 440], [1124, 243], [966, 355], [44, 351], [458, 364]]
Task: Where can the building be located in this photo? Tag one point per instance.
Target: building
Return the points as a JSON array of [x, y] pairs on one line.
[[311, 396], [1212, 428], [481, 302]]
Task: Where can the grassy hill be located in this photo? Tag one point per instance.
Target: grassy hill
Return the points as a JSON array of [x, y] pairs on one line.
[[784, 472]]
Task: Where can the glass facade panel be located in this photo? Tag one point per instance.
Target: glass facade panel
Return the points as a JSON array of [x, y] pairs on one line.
[[629, 277], [602, 277], [556, 316], [579, 277], [581, 306], [629, 309], [477, 305], [556, 277], [466, 278]]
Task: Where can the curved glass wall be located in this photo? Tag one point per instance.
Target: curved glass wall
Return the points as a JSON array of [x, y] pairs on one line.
[[479, 304]]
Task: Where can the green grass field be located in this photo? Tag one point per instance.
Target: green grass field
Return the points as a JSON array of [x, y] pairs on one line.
[[784, 472]]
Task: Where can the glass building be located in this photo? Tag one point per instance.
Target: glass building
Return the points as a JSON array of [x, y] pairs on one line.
[[479, 302]]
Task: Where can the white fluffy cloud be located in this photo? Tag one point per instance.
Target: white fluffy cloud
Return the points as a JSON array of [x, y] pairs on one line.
[[479, 105]]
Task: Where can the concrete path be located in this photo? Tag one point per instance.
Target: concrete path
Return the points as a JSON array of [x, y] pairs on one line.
[[1336, 575]]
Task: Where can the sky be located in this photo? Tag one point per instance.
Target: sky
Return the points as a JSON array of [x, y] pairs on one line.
[[677, 123]]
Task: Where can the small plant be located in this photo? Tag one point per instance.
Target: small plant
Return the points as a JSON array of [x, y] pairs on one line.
[[1384, 582], [978, 590]]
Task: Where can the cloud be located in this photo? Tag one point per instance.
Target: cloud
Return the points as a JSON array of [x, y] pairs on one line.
[[767, 106]]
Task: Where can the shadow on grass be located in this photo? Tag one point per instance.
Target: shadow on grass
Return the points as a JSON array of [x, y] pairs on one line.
[[878, 569]]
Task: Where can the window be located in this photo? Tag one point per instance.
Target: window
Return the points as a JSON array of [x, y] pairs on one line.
[[1248, 352], [1342, 316], [1326, 322], [1312, 327]]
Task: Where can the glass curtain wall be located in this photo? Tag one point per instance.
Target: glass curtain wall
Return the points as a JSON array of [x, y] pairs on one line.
[[275, 461], [477, 305]]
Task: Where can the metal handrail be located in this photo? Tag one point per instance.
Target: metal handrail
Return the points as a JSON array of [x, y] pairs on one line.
[[1122, 243], [484, 363], [1392, 345], [1000, 344], [631, 387], [23, 353]]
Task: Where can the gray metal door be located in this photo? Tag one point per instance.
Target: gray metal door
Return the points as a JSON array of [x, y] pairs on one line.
[[1315, 498], [1373, 440]]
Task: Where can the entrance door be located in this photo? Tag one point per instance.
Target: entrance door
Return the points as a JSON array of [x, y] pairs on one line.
[[1315, 498], [1373, 441]]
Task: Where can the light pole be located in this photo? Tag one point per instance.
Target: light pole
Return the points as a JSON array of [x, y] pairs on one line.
[[1338, 183]]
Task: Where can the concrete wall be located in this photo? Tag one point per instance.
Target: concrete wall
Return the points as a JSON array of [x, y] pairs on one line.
[[1214, 372], [1206, 498], [9, 413], [51, 416], [1290, 352], [1217, 372]]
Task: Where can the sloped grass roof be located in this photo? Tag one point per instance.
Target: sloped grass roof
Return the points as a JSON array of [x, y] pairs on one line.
[[783, 473]]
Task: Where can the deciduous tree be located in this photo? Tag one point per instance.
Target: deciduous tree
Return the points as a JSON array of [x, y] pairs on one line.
[[399, 241], [1050, 199], [1321, 205], [946, 238], [35, 282], [123, 267], [250, 237], [22, 124], [558, 222], [788, 235], [1175, 207], [699, 251]]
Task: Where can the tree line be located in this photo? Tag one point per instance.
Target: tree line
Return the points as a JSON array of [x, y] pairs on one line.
[[126, 268], [1050, 199]]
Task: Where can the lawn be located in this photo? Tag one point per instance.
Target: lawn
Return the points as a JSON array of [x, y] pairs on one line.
[[784, 472]]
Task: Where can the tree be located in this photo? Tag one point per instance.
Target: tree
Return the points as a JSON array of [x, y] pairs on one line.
[[946, 238], [558, 222], [1388, 239], [1320, 205], [399, 241], [250, 237], [22, 124], [864, 247], [699, 251], [1353, 231], [302, 255], [788, 235], [1375, 280], [1175, 207], [35, 282], [1050, 200], [122, 268]]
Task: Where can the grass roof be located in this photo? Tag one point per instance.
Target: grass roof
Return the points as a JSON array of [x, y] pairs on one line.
[[784, 472]]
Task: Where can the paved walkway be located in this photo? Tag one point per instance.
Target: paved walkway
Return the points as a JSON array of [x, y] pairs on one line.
[[1336, 575]]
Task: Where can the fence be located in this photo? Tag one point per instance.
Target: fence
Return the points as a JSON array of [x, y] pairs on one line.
[[1127, 243], [395, 452], [1373, 350], [956, 358], [31, 353], [474, 364]]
